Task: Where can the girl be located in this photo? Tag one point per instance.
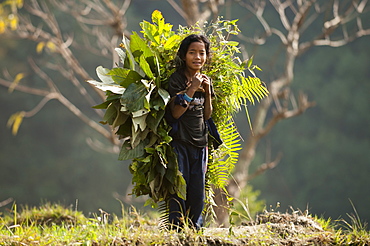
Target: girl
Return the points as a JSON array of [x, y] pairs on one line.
[[187, 113]]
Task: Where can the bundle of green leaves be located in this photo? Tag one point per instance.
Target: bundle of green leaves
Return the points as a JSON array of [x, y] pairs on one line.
[[136, 97]]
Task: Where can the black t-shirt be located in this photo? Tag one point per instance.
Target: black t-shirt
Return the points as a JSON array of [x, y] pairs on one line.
[[190, 127]]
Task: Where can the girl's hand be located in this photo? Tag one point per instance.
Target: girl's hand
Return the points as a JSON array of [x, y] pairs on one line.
[[206, 84], [196, 81], [200, 82]]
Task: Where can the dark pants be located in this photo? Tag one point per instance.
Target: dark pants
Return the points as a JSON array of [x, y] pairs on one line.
[[192, 164]]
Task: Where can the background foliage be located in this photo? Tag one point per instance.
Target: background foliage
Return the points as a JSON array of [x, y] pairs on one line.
[[325, 160], [325, 151]]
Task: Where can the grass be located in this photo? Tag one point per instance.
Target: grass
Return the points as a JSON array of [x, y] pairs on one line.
[[54, 224]]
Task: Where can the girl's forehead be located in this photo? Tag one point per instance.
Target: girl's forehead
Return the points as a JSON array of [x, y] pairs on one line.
[[197, 46]]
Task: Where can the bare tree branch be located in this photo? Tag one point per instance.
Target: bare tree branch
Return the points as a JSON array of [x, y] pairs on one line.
[[23, 88], [54, 93], [265, 166], [59, 43], [6, 202], [197, 11], [178, 9]]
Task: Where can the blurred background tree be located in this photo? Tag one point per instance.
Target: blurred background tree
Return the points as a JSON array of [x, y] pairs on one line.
[[56, 45]]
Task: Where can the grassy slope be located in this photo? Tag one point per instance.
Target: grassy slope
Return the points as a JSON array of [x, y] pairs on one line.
[[56, 225]]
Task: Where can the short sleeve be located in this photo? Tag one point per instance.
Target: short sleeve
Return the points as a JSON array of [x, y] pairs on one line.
[[176, 83]]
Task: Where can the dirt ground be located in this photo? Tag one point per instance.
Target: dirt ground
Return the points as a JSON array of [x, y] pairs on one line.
[[272, 229]]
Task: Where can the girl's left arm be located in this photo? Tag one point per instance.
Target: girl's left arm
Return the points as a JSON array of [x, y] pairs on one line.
[[206, 84], [207, 107]]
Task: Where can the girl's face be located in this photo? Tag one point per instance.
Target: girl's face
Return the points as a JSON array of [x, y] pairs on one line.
[[195, 57]]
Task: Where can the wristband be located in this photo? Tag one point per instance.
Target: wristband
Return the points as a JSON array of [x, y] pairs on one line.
[[179, 100], [187, 98]]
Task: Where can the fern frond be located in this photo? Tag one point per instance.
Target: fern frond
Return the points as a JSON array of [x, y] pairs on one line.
[[164, 215], [209, 213], [224, 159], [253, 88]]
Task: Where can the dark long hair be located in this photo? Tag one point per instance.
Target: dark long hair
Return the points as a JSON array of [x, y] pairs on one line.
[[184, 46]]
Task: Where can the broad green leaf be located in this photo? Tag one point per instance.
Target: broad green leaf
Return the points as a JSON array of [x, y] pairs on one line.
[[102, 74], [118, 74], [124, 77], [110, 113], [139, 122], [137, 137], [167, 28], [153, 121], [161, 170], [157, 17], [134, 97], [121, 54], [172, 42], [132, 77], [139, 113], [140, 47], [152, 140], [156, 103], [120, 119], [103, 105], [146, 159], [127, 153], [126, 44], [152, 172], [158, 69], [145, 67], [133, 65], [164, 95], [181, 185], [124, 130], [150, 31], [109, 99], [123, 108], [148, 96], [107, 87], [148, 84], [112, 97]]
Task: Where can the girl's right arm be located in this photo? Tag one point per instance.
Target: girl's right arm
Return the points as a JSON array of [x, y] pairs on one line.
[[178, 110]]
